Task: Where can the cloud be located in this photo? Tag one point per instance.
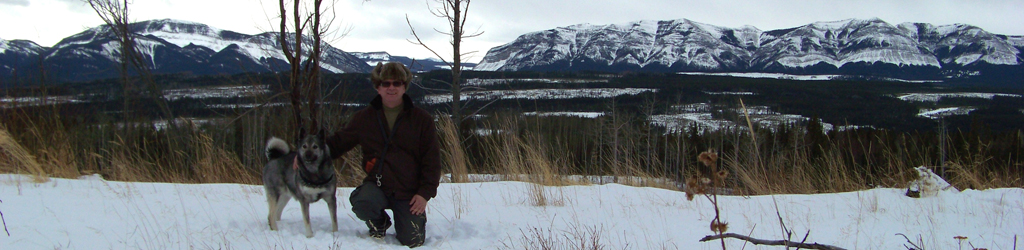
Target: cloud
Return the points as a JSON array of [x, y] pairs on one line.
[[14, 2], [74, 5]]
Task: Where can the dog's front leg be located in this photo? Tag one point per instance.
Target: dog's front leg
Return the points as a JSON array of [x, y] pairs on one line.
[[332, 206], [305, 218], [272, 207]]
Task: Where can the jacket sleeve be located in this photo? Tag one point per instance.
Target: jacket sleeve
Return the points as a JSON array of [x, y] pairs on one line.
[[430, 167], [345, 139]]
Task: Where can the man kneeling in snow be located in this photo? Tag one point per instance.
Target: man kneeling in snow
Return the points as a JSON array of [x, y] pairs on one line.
[[401, 155]]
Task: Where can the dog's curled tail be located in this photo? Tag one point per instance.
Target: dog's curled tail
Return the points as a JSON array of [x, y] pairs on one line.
[[276, 148]]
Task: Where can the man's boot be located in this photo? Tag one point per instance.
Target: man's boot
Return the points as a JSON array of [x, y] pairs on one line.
[[377, 230]]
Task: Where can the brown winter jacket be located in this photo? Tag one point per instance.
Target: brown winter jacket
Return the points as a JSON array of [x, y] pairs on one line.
[[412, 164]]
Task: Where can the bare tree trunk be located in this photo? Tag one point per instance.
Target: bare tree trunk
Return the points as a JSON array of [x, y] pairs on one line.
[[293, 56], [304, 75], [455, 12], [115, 14], [312, 70], [456, 60], [112, 13]]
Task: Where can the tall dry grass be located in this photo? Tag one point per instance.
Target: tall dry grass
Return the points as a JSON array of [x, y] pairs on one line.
[[453, 153], [507, 152], [515, 159], [16, 159], [548, 151], [217, 165], [794, 159], [51, 144]]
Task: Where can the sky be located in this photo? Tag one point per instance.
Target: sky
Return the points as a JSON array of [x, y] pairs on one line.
[[380, 25], [92, 213]]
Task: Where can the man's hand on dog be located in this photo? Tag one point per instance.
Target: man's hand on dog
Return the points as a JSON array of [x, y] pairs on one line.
[[417, 205]]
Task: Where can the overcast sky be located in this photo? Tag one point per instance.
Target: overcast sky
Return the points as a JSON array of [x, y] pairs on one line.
[[379, 25]]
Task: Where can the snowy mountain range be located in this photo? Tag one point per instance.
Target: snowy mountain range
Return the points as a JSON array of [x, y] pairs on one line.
[[15, 54], [419, 65], [855, 47], [872, 47], [169, 46]]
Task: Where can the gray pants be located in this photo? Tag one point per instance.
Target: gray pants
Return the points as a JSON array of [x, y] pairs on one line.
[[369, 202]]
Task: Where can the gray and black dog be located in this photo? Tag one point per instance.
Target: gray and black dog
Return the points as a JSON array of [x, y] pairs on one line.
[[313, 178]]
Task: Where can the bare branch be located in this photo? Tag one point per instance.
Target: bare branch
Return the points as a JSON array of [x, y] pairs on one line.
[[480, 109], [9, 232], [465, 13], [474, 34], [908, 241], [284, 33], [789, 234], [468, 53], [442, 32], [770, 242], [433, 89], [257, 107], [420, 42]]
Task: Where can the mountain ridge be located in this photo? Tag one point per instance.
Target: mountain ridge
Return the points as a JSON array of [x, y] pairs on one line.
[[852, 46], [169, 47]]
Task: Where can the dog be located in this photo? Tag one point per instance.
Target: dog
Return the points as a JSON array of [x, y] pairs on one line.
[[310, 179]]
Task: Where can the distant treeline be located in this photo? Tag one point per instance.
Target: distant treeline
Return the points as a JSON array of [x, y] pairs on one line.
[[847, 102]]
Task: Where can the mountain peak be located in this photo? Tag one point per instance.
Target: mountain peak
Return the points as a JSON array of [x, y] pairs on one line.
[[832, 25], [418, 65], [3, 45], [173, 21], [172, 25]]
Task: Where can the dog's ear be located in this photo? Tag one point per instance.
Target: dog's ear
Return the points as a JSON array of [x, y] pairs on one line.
[[302, 133], [322, 132]]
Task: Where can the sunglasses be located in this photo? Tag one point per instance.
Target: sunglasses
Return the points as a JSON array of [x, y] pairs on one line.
[[388, 83]]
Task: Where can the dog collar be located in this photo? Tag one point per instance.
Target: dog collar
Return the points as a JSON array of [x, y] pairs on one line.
[[306, 179]]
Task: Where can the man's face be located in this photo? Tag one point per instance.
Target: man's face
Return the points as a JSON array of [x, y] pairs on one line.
[[391, 91]]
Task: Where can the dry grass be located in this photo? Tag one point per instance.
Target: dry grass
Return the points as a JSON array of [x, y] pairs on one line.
[[55, 152], [216, 165], [520, 158], [453, 154], [516, 158], [57, 158], [793, 172], [126, 164], [350, 169], [16, 159], [579, 237], [548, 153]]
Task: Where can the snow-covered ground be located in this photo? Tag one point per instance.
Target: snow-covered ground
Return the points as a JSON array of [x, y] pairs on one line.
[[217, 92], [91, 213], [685, 116], [505, 81], [796, 77], [567, 113], [29, 101], [934, 97], [944, 112], [537, 94]]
